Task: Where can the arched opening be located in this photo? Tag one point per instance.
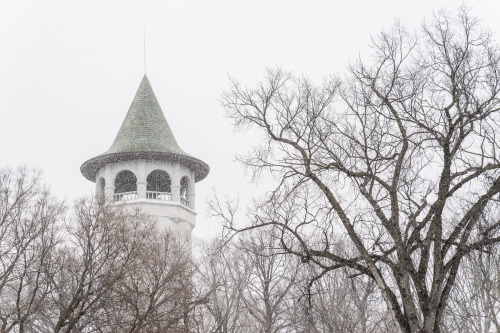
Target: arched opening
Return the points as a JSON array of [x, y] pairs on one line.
[[102, 186], [184, 191], [158, 185], [125, 186]]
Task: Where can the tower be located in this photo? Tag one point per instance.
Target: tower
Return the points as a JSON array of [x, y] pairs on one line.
[[145, 167]]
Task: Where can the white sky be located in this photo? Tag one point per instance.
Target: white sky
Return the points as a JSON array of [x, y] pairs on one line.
[[69, 71]]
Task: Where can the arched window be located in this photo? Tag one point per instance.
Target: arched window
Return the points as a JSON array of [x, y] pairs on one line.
[[184, 190], [158, 186], [102, 185], [125, 186]]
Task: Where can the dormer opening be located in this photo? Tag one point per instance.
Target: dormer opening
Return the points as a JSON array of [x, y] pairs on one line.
[[158, 185], [125, 186], [185, 191]]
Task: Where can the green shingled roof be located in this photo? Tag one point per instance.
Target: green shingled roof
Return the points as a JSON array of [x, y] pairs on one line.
[[145, 134], [145, 127]]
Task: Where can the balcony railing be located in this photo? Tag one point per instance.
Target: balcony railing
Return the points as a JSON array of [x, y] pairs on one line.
[[159, 195], [166, 196], [124, 196]]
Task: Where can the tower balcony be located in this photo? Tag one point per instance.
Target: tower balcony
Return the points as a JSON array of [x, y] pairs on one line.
[[153, 195], [147, 181]]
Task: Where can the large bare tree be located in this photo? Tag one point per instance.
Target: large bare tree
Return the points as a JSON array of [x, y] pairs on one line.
[[400, 159]]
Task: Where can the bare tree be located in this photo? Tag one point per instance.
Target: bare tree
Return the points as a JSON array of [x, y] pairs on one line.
[[251, 283], [475, 303], [157, 293], [224, 275], [30, 221], [267, 295], [400, 160], [338, 301], [105, 269], [257, 288], [102, 243]]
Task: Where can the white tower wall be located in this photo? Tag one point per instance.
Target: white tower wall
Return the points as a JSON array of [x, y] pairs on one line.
[[170, 210]]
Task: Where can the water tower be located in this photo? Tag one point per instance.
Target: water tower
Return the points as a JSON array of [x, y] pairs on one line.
[[145, 167]]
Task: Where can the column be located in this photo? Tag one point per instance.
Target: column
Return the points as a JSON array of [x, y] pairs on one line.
[[109, 189], [142, 183], [191, 194], [176, 183]]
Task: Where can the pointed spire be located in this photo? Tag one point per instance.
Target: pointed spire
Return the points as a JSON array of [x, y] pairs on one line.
[[145, 134], [145, 128]]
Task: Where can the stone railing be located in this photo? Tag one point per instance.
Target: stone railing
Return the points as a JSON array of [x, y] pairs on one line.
[[159, 195], [124, 196], [155, 195]]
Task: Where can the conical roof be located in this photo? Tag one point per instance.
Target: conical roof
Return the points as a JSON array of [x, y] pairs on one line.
[[144, 134]]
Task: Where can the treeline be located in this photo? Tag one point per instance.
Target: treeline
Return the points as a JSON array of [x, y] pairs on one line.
[[255, 287], [99, 268], [96, 269]]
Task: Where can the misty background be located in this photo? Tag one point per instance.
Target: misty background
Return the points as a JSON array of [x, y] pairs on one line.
[[69, 71]]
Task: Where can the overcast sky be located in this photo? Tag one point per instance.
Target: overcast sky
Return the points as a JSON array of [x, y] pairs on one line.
[[69, 71]]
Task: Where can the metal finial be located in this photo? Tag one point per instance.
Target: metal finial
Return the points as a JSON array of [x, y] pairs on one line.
[[144, 49]]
